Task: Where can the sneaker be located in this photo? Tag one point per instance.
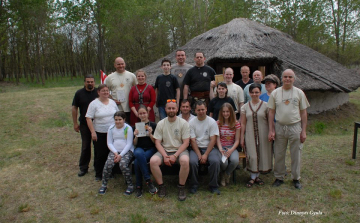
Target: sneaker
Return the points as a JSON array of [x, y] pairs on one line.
[[297, 184], [162, 191], [277, 183], [82, 173], [214, 190], [138, 192], [182, 193], [129, 190], [152, 188], [102, 190], [222, 177], [193, 190]]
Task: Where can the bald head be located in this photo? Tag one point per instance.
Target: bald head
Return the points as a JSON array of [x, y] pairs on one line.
[[257, 77], [228, 75], [245, 72], [288, 78], [119, 65]]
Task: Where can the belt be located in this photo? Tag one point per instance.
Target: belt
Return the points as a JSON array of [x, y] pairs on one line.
[[200, 94]]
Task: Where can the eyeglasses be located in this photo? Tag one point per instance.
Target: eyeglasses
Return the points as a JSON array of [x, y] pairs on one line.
[[254, 92], [170, 100]]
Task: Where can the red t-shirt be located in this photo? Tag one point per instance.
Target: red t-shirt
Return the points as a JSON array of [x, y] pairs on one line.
[[227, 135]]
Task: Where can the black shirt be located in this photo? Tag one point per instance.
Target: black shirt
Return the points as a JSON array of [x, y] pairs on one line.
[[241, 83], [145, 142], [198, 78], [82, 100], [216, 103], [166, 85]]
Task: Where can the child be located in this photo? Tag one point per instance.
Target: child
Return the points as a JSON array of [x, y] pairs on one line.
[[228, 141], [145, 149], [119, 141], [167, 87]]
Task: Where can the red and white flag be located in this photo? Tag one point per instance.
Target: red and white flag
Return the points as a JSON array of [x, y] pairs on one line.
[[103, 76]]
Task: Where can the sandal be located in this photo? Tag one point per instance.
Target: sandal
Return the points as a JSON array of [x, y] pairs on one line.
[[250, 183], [259, 181]]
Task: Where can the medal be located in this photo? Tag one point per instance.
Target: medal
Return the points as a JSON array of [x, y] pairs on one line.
[[121, 85], [180, 74], [287, 102]]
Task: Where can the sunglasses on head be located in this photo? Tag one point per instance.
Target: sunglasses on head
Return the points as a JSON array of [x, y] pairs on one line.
[[170, 100]]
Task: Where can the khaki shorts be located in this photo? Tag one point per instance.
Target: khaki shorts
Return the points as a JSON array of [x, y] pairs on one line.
[[185, 153]]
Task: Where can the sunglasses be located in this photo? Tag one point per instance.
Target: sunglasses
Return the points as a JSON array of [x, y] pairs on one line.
[[170, 100]]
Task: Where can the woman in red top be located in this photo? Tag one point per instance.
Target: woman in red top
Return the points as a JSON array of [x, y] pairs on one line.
[[142, 93]]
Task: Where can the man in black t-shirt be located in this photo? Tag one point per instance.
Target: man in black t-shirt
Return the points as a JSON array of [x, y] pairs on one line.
[[245, 79], [197, 80], [81, 101]]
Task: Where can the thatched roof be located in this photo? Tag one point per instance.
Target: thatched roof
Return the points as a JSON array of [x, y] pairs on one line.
[[246, 40]]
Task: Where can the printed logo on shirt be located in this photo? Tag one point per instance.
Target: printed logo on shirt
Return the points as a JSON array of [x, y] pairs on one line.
[[168, 84], [127, 80], [177, 132], [204, 74], [206, 132]]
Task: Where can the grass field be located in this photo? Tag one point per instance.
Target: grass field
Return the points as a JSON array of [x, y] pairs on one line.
[[39, 164]]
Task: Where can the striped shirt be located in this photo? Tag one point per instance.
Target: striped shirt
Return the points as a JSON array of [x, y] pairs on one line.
[[227, 135]]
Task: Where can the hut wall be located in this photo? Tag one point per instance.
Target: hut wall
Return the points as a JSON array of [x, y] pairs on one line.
[[322, 101]]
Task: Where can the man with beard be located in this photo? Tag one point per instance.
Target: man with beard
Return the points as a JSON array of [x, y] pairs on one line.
[[81, 101], [171, 140]]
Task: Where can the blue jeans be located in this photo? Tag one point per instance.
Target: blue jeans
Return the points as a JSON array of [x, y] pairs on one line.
[[162, 113], [142, 157]]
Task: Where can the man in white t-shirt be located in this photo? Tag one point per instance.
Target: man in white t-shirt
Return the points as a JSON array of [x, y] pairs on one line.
[[185, 110], [234, 91], [171, 140], [120, 83], [288, 105], [203, 133]]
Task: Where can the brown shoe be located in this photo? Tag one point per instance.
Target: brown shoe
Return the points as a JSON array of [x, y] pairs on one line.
[[162, 191], [182, 193], [222, 179], [227, 178]]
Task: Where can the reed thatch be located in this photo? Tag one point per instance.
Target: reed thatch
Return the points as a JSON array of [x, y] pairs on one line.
[[245, 40]]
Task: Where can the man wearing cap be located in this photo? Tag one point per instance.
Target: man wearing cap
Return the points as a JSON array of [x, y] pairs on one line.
[[288, 105], [271, 83]]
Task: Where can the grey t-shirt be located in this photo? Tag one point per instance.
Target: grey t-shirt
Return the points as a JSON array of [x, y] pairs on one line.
[[179, 72]]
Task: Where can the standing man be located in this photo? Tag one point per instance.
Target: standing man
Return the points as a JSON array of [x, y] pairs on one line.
[[197, 80], [234, 91], [203, 133], [288, 104], [120, 83], [81, 101], [245, 79], [171, 140], [180, 69], [185, 110], [257, 79]]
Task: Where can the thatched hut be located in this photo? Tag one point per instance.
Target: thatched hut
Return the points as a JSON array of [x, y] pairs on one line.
[[244, 42]]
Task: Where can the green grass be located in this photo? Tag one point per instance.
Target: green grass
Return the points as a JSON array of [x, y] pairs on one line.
[[39, 154]]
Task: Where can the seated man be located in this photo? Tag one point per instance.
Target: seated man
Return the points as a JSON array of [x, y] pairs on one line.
[[203, 133], [171, 140]]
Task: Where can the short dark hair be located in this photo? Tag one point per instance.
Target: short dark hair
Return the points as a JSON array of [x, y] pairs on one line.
[[199, 103], [101, 86], [178, 50], [199, 52], [222, 84], [120, 114], [184, 101], [89, 76], [253, 86], [165, 60]]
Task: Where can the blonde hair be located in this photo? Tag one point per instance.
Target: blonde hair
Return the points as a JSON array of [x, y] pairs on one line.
[[140, 71], [232, 118]]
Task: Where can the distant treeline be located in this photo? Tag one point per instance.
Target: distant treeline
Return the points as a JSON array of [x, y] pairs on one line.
[[42, 39]]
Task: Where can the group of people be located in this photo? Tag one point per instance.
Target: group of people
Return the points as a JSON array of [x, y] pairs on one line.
[[214, 122]]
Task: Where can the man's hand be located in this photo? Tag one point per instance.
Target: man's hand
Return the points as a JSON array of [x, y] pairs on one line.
[[172, 159], [203, 159], [302, 136], [167, 160], [212, 84], [76, 127], [94, 136]]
